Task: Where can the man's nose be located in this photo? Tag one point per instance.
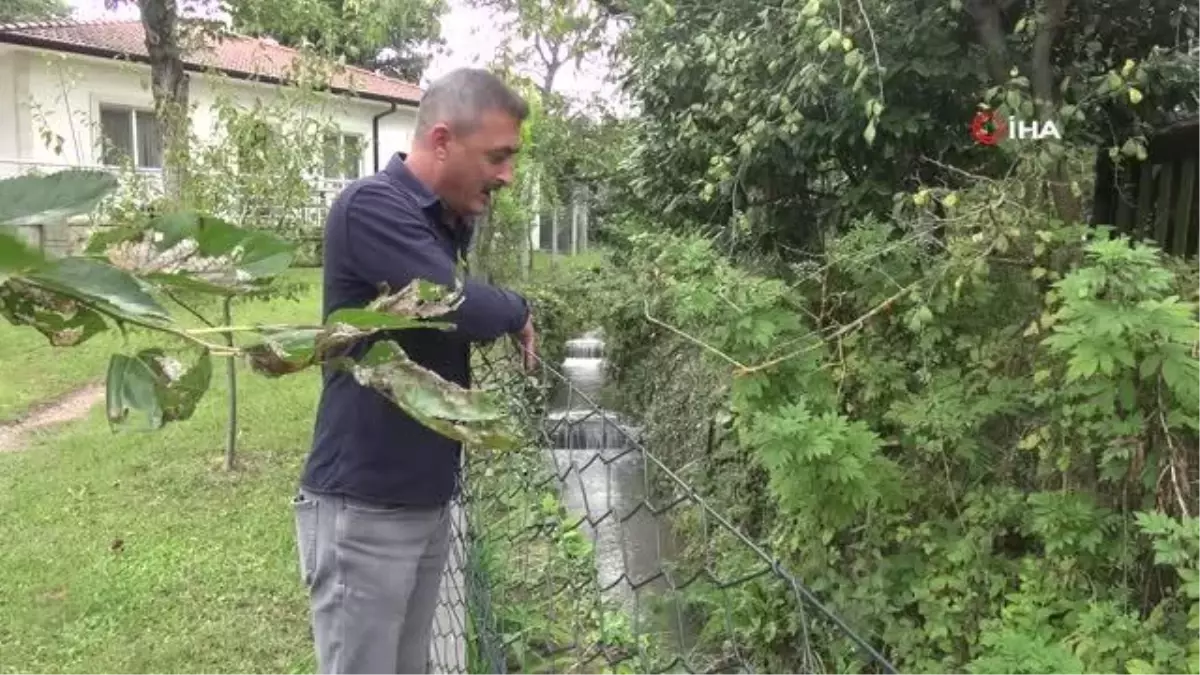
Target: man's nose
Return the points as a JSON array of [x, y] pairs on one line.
[[505, 176]]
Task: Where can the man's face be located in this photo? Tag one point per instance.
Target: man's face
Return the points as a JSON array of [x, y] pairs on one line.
[[478, 162]]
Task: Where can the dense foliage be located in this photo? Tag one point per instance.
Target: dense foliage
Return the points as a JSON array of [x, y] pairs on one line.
[[980, 448], [392, 36], [770, 123], [899, 359], [33, 10]]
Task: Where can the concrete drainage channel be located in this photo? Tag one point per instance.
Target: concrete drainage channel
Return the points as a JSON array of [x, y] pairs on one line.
[[73, 406]]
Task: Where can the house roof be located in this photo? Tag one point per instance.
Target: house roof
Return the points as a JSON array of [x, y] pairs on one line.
[[237, 56]]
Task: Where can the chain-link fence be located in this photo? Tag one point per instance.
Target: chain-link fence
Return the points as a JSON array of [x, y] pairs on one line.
[[584, 553]]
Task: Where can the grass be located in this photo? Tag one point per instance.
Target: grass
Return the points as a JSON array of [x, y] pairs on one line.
[[34, 371], [135, 552], [543, 260]]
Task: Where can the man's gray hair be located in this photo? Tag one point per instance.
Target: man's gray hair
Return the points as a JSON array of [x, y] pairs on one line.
[[460, 97]]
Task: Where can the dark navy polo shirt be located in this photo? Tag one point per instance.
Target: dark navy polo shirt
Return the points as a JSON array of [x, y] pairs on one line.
[[391, 228]]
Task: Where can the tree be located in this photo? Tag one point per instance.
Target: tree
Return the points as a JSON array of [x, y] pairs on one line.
[[12, 11], [392, 36], [783, 115], [169, 85], [166, 41], [542, 36]]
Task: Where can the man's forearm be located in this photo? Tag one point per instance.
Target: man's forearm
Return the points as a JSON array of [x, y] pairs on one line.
[[488, 312]]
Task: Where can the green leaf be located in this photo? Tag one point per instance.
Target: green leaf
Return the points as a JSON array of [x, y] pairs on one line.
[[155, 385], [130, 387], [285, 351], [106, 288], [105, 238], [1127, 393], [1012, 99], [370, 319], [292, 350], [17, 257], [495, 436], [28, 200], [1139, 667], [64, 321], [187, 282]]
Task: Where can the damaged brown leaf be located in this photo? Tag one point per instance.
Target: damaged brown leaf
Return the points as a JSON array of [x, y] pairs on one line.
[[290, 350], [198, 252], [474, 417], [421, 299], [63, 320], [159, 387]]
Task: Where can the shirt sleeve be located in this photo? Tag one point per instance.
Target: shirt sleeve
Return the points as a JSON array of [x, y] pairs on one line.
[[391, 241]]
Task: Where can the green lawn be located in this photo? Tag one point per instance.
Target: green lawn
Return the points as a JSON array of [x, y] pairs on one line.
[[543, 260], [135, 552], [34, 371]]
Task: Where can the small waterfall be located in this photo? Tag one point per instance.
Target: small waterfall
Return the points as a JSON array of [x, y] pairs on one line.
[[603, 474], [590, 346]]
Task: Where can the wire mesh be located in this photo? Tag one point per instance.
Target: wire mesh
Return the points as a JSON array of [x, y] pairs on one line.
[[567, 557]]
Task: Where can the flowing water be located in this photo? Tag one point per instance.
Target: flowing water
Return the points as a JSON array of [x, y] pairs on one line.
[[604, 479]]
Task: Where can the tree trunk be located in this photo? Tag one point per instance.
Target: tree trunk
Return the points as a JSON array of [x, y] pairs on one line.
[[231, 432], [554, 236], [169, 84], [574, 221], [1042, 81], [530, 246], [989, 26]]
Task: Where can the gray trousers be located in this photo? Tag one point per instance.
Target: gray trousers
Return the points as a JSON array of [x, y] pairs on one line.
[[372, 575]]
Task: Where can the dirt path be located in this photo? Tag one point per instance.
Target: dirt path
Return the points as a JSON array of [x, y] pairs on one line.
[[72, 406]]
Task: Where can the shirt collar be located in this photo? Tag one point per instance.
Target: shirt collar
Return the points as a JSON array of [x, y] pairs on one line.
[[398, 172]]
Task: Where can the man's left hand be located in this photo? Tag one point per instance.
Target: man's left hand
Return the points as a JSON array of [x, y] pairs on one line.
[[527, 341]]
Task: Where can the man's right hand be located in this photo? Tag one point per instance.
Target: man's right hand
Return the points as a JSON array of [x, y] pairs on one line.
[[527, 340]]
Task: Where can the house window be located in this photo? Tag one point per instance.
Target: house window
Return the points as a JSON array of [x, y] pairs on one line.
[[129, 134], [343, 156]]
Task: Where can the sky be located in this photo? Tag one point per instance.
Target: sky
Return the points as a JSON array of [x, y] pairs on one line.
[[471, 40]]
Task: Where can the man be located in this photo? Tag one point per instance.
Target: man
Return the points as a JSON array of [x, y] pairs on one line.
[[372, 515]]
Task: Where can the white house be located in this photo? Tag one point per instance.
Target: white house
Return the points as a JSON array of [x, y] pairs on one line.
[[77, 94]]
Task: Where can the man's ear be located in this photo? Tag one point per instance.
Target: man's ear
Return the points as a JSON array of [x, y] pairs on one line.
[[439, 139]]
